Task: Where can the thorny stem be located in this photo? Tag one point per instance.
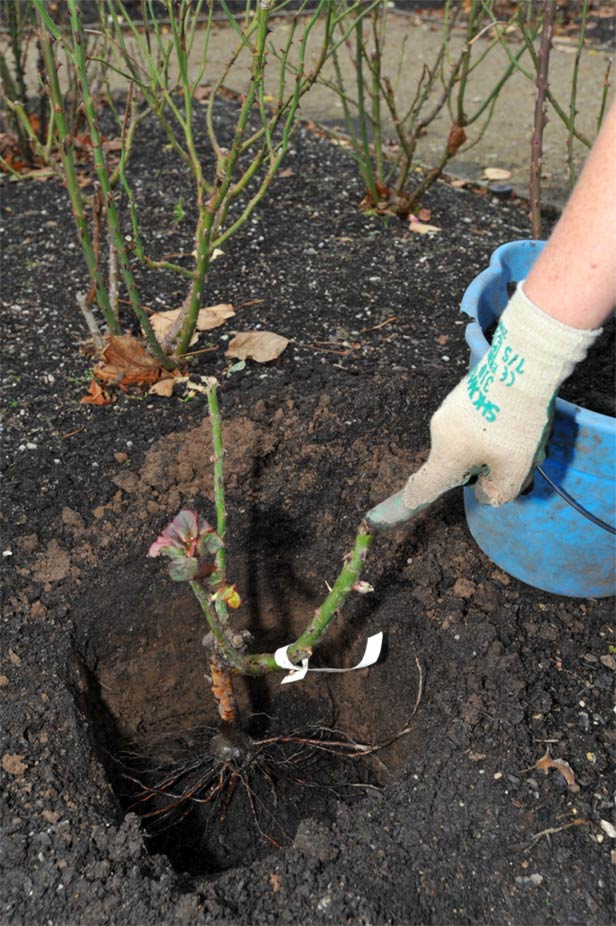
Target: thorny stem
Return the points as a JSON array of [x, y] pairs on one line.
[[225, 168], [68, 163], [257, 664], [534, 185], [219, 493], [78, 55], [573, 97]]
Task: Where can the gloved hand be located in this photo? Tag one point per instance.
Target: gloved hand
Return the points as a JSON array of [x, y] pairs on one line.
[[497, 420]]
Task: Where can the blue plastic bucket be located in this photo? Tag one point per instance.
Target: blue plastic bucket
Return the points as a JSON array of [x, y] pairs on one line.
[[540, 538]]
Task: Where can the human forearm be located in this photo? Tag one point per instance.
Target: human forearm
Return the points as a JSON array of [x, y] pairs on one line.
[[574, 278]]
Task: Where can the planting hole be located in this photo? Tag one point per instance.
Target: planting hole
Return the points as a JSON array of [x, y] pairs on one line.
[[207, 802]]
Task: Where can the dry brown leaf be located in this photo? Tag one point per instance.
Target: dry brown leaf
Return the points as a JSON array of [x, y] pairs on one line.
[[547, 762], [12, 764], [496, 173], [125, 362], [424, 215], [214, 315], [421, 228], [96, 395], [161, 322], [202, 93], [210, 317], [261, 346], [459, 183], [164, 387]]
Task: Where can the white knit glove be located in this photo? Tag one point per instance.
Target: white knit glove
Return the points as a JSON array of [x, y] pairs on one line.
[[497, 420]]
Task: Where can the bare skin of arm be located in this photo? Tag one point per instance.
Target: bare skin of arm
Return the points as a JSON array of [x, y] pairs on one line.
[[574, 278]]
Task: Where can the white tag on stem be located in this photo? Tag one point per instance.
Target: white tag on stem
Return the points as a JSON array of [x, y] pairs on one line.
[[297, 673]]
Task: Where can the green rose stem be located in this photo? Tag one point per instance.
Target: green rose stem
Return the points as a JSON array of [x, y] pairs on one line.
[[113, 218], [217, 617], [67, 156], [219, 479], [260, 663]]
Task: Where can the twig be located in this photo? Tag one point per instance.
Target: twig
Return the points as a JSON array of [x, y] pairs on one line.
[[393, 318], [91, 322], [552, 830], [420, 685], [536, 160]]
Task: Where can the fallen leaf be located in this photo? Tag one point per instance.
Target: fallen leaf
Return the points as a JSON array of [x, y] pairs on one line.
[[126, 362], [477, 756], [95, 395], [443, 339], [261, 346], [164, 387], [202, 93], [459, 183], [608, 661], [496, 173], [214, 315], [210, 317], [287, 172], [424, 215], [547, 762], [12, 764], [421, 228], [128, 356]]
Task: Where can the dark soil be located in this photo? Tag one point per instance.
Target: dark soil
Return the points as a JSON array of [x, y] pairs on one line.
[[102, 665]]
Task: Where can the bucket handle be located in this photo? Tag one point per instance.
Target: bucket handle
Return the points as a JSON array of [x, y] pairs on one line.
[[576, 505]]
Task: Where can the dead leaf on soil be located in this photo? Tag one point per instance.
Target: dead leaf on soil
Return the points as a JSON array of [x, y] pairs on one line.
[[496, 173], [12, 764], [202, 93], [126, 362], [96, 395], [210, 317], [547, 762], [164, 387], [262, 346], [424, 215], [421, 228]]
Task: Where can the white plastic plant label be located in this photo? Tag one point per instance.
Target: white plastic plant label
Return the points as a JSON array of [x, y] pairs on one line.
[[374, 644]]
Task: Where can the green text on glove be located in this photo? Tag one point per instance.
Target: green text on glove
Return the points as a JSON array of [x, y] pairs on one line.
[[505, 368]]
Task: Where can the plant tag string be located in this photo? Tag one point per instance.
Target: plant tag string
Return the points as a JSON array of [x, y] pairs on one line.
[[297, 673]]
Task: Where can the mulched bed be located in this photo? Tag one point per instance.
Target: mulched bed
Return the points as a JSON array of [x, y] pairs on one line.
[[101, 654]]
